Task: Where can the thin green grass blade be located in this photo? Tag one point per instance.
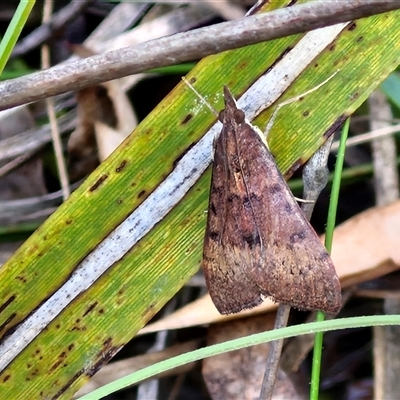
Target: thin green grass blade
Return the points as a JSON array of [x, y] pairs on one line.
[[333, 205], [14, 30], [236, 344]]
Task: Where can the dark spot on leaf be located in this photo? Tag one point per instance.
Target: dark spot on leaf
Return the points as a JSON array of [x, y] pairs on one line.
[[354, 96], [90, 308], [71, 381], [7, 303], [187, 119], [360, 39], [332, 47], [141, 194], [55, 365], [306, 113], [121, 166], [98, 183], [352, 27]]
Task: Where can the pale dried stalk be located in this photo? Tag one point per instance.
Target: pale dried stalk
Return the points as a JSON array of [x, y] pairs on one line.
[[55, 131]]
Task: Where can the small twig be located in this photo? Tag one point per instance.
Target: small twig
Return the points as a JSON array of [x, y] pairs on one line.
[[15, 163], [55, 131], [274, 354], [367, 137], [184, 47]]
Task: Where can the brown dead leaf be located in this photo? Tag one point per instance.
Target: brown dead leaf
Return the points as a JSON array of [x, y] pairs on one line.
[[364, 247], [238, 375], [105, 117]]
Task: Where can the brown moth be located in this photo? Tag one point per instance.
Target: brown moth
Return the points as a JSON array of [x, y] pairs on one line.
[[258, 241]]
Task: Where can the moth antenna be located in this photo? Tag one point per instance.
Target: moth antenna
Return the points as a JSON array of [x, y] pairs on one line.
[[200, 96], [292, 100]]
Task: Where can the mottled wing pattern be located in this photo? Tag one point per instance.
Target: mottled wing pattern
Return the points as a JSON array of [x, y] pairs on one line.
[[258, 241], [225, 264], [291, 265]]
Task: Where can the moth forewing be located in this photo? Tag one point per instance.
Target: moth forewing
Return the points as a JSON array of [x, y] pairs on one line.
[[258, 242]]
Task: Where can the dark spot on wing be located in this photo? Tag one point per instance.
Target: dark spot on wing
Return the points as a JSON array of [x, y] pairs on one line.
[[253, 197], [252, 240], [235, 163], [246, 202], [288, 208], [324, 256], [297, 237], [274, 189], [213, 209], [214, 236], [232, 197]]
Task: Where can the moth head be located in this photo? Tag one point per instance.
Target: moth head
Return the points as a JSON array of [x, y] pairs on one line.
[[238, 116]]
